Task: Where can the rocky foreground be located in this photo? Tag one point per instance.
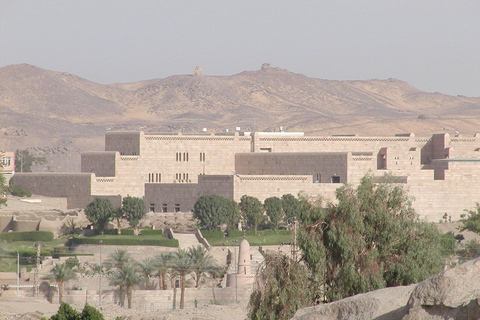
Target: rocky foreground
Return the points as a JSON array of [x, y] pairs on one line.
[[453, 294]]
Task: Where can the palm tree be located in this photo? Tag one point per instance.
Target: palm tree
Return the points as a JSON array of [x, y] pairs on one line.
[[203, 262], [126, 277], [147, 267], [62, 273], [163, 264], [183, 265], [117, 259]]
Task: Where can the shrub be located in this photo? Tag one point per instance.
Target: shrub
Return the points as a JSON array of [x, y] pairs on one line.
[[27, 236], [138, 241], [20, 192], [114, 232]]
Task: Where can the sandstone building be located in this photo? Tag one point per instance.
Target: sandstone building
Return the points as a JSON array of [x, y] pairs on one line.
[[170, 171]]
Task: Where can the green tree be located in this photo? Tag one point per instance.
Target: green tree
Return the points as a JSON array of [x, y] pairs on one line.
[[3, 181], [471, 220], [182, 264], [99, 212], [90, 313], [147, 268], [126, 277], [281, 287], [274, 210], [66, 312], [118, 215], [291, 207], [370, 239], [24, 161], [61, 273], [214, 210], [252, 211], [134, 210], [202, 261]]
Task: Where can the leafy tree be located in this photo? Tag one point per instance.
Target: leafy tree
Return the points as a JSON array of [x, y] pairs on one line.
[[471, 220], [202, 261], [66, 312], [118, 215], [274, 210], [252, 211], [282, 286], [90, 313], [24, 161], [3, 181], [290, 206], [182, 265], [126, 277], [99, 212], [214, 210], [134, 210], [231, 213], [147, 268], [61, 273], [371, 239]]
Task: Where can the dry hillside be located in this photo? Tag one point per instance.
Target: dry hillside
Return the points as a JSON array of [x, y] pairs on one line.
[[59, 115]]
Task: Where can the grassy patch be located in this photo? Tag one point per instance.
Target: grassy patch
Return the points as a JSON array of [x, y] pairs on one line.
[[265, 238], [125, 240], [8, 253]]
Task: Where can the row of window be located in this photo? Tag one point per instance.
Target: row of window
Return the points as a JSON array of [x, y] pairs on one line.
[[179, 156], [183, 156], [154, 177], [165, 207], [181, 176]]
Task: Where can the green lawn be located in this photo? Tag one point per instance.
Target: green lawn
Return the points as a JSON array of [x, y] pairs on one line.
[[8, 253], [254, 240]]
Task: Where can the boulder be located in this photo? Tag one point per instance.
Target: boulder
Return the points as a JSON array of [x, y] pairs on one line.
[[453, 294], [388, 303]]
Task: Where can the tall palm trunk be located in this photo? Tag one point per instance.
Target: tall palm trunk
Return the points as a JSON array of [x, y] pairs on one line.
[[129, 297], [60, 291], [182, 291]]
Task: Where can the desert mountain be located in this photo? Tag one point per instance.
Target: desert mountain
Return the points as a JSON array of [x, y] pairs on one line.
[[55, 114]]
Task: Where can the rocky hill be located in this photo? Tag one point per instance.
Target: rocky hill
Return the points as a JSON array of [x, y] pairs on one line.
[[59, 115]]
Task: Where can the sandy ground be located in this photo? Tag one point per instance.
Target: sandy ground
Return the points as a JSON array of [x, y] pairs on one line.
[[33, 308]]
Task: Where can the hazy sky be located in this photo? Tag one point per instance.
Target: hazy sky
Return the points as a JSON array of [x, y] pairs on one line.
[[434, 45]]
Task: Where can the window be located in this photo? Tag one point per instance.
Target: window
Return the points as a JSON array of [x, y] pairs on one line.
[[154, 177], [319, 178], [202, 156], [335, 179], [152, 207], [164, 208], [177, 207], [6, 161]]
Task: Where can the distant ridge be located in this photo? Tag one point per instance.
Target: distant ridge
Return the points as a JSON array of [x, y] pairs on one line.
[[46, 110]]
